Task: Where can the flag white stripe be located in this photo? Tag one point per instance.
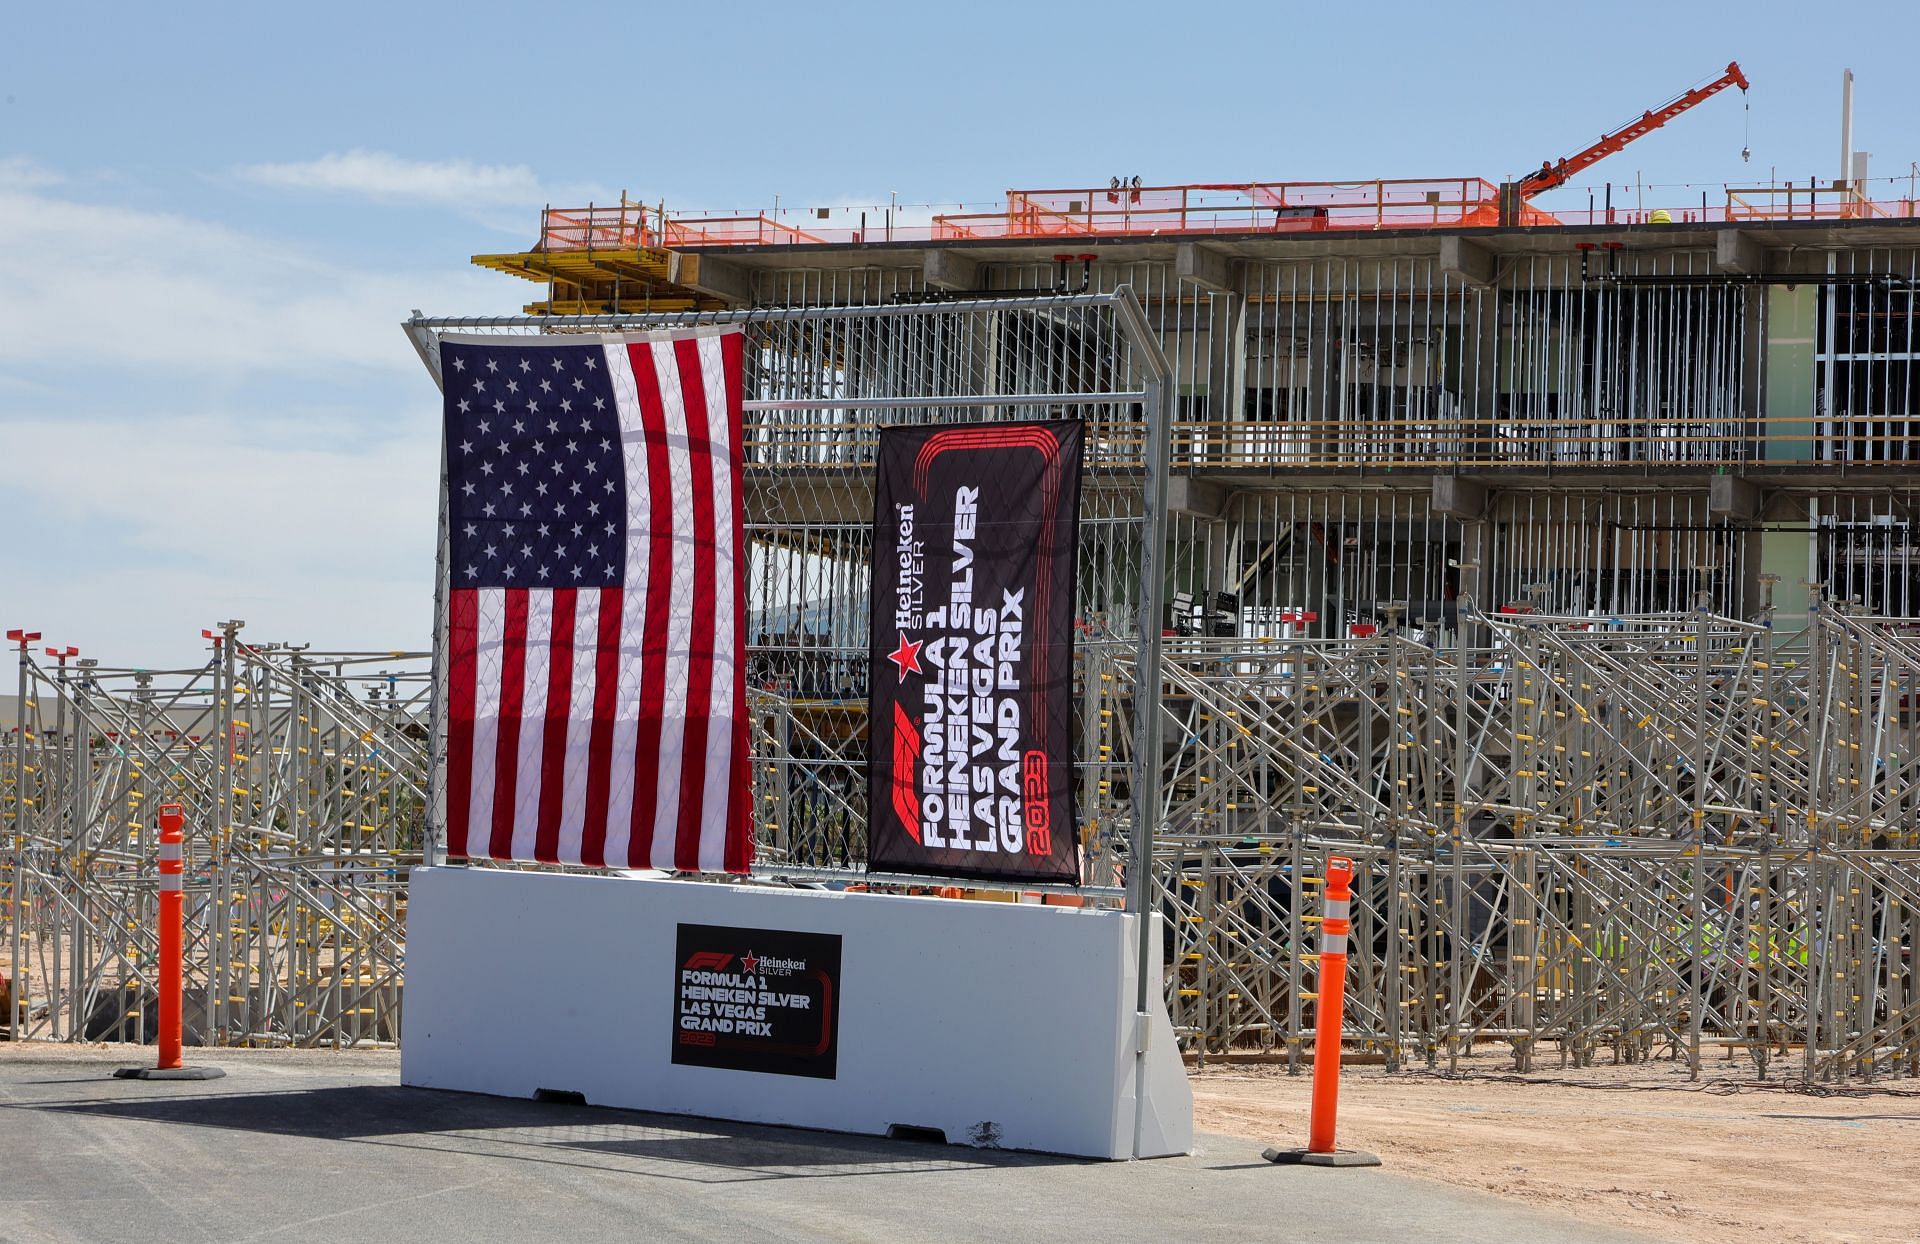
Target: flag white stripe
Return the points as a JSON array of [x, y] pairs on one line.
[[573, 783], [673, 712], [626, 398], [533, 722], [490, 610], [713, 803]]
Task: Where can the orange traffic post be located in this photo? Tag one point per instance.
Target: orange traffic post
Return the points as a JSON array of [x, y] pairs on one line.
[[173, 870], [170, 981], [1329, 1024]]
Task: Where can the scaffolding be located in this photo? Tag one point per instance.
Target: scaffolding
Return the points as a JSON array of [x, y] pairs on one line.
[[1615, 836], [300, 773], [1606, 799]]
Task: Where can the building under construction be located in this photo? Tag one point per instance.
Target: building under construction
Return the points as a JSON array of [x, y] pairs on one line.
[[1559, 566]]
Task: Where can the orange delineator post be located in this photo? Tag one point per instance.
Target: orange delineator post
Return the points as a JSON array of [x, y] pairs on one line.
[[1329, 1022], [170, 981], [172, 920], [1331, 1012]]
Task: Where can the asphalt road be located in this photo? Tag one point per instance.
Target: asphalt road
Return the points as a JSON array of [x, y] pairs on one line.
[[315, 1146]]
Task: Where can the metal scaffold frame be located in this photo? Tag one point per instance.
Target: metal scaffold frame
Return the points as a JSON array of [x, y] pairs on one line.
[[1626, 835], [300, 774], [1600, 811]]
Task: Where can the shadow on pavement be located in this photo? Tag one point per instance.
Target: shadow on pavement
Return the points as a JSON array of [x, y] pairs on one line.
[[667, 1146]]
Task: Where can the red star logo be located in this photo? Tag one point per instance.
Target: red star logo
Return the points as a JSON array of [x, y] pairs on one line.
[[750, 964], [907, 656]]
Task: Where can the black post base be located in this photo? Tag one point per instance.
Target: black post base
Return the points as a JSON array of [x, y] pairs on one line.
[[1302, 1157]]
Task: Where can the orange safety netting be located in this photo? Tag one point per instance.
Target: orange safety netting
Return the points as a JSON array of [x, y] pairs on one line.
[[1124, 211]]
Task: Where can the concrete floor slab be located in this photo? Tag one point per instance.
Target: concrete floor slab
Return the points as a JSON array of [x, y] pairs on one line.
[[313, 1146]]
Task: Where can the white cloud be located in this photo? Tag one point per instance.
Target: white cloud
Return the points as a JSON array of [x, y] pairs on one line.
[[167, 483], [499, 198], [386, 177], [156, 501], [159, 524], [389, 178], [140, 289], [24, 172]]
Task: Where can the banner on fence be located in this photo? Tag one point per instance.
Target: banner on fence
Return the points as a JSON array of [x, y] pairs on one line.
[[971, 747]]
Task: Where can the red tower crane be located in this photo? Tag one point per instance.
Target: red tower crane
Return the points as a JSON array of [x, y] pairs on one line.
[[1554, 174]]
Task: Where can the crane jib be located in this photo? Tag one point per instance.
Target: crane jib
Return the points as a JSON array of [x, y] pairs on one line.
[[1552, 175]]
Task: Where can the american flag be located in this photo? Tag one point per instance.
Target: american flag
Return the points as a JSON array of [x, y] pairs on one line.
[[594, 640]]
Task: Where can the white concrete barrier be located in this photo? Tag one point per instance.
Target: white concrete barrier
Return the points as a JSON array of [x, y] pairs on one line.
[[998, 1024]]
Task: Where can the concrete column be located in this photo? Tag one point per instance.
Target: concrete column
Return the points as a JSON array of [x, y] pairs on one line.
[[1314, 590], [1214, 279], [1466, 261], [716, 278], [1738, 251], [1476, 551], [949, 270], [1457, 497], [1741, 501], [1226, 369]]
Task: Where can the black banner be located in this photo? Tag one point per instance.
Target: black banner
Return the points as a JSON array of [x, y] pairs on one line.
[[757, 1000], [970, 766]]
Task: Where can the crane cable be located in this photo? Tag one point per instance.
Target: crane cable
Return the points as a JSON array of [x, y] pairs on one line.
[[1746, 132]]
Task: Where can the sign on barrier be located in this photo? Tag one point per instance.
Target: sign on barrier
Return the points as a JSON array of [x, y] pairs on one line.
[[993, 1024], [757, 1000]]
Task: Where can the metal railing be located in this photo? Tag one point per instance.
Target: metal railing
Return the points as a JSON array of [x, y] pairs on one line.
[[831, 438], [1281, 208]]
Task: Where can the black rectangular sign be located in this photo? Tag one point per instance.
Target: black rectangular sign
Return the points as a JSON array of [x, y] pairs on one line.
[[757, 1000], [970, 762]]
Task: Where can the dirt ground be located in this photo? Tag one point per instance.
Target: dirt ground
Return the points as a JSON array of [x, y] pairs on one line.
[[1727, 1158]]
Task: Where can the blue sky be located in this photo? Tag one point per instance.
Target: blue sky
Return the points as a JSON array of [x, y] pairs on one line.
[[213, 217]]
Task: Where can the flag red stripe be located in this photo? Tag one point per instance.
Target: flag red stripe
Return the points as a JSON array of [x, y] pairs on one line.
[[738, 856], [513, 686], [463, 627], [606, 680], [653, 637], [553, 747], [701, 641]]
